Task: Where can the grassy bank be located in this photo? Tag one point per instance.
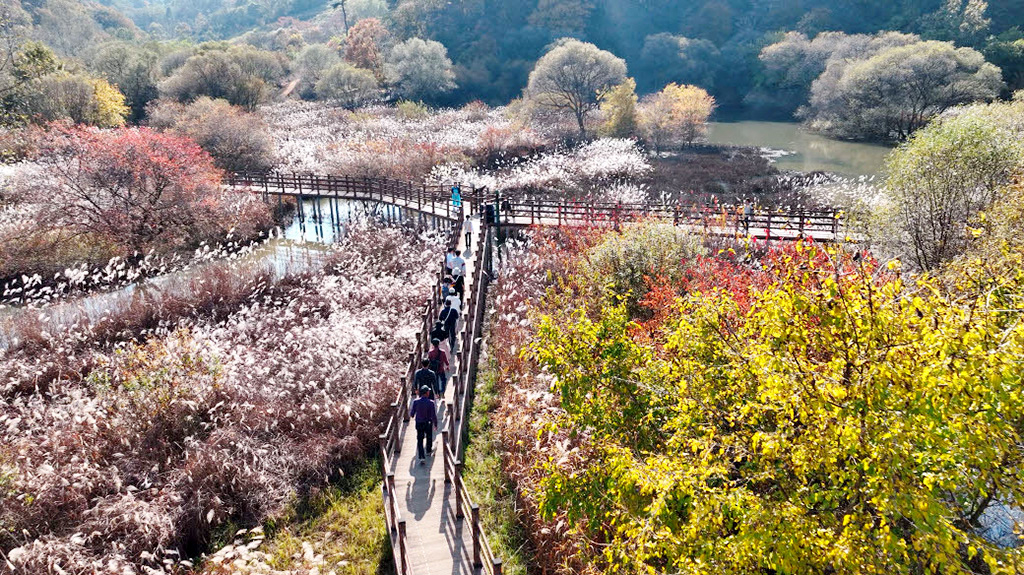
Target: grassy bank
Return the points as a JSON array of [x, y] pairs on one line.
[[338, 530], [487, 482]]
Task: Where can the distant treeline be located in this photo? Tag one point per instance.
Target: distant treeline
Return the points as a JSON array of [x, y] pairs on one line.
[[714, 44], [825, 63]]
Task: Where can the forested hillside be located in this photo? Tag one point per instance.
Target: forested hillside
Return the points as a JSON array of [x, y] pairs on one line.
[[714, 44]]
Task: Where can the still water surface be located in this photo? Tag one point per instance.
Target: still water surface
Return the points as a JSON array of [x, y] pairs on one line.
[[804, 151]]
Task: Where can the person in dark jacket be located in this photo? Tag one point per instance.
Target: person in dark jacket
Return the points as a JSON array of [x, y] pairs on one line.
[[425, 412], [424, 377], [459, 285], [439, 332], [450, 318]]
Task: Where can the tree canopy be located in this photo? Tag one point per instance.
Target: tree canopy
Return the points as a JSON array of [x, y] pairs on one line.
[[899, 89], [419, 69], [348, 86], [675, 115], [945, 174], [573, 76], [815, 414]]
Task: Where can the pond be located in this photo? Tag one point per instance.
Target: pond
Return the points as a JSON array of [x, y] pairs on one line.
[[793, 148]]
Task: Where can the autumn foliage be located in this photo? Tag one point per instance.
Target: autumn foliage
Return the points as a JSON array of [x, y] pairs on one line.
[[365, 45], [794, 409], [141, 189]]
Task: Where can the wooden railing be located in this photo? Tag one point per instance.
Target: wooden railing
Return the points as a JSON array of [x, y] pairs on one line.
[[781, 223], [390, 443], [433, 199], [456, 422]]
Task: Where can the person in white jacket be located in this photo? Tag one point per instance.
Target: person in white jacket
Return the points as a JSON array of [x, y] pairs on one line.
[[454, 301]]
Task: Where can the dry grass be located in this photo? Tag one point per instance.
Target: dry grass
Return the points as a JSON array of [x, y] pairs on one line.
[[140, 450]]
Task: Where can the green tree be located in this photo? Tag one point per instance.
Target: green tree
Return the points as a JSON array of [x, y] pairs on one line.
[[1007, 52], [791, 65], [242, 75], [419, 70], [77, 97], [960, 21], [666, 58], [573, 76], [562, 17], [132, 69], [311, 64], [893, 93], [618, 108], [348, 86], [943, 176]]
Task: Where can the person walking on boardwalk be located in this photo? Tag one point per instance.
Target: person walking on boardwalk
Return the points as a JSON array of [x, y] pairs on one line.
[[459, 284], [425, 377], [458, 265], [447, 288], [455, 301], [439, 364], [450, 318], [441, 333], [425, 412], [449, 261]]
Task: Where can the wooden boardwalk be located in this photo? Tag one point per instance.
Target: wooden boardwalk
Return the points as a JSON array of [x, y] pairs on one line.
[[436, 545], [822, 225]]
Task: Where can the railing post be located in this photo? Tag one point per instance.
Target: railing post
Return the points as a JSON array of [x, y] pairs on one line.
[[458, 490], [496, 567], [389, 484], [404, 403], [444, 452], [401, 545], [475, 510], [451, 424]]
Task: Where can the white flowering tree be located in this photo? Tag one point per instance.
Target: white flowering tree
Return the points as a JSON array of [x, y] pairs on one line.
[[419, 69]]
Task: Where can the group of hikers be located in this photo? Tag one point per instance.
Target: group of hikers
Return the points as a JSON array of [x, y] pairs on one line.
[[432, 377]]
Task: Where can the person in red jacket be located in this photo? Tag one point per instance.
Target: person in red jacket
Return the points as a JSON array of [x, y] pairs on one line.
[[439, 364]]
